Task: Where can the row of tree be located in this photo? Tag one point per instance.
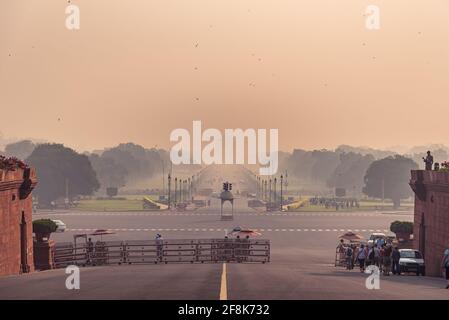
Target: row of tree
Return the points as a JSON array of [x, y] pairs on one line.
[[376, 173], [60, 168], [346, 166], [358, 173]]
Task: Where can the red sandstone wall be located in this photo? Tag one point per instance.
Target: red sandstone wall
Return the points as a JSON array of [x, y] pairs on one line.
[[10, 220], [435, 209]]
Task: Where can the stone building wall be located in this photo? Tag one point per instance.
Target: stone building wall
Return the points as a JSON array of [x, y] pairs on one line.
[[431, 219], [16, 237]]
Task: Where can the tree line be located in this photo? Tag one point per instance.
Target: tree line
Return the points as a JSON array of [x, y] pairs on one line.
[[376, 173]]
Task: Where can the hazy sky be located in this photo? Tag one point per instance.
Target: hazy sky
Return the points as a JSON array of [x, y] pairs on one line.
[[138, 69]]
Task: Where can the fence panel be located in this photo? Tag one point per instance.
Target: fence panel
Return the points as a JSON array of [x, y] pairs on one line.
[[162, 251]]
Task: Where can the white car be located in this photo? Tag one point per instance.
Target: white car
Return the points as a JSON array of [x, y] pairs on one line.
[[375, 236], [412, 261], [60, 226]]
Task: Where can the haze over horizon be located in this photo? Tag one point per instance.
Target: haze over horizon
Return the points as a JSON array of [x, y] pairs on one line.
[[136, 71]]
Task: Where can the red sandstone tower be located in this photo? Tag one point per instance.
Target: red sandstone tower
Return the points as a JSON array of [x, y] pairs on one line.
[[16, 229]]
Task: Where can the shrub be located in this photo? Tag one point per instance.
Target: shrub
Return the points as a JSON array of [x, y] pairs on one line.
[[44, 226], [402, 227]]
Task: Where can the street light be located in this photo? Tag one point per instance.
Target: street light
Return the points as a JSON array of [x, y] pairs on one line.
[[270, 193], [169, 191], [274, 192], [176, 188], [282, 179], [266, 190], [189, 187], [163, 176]]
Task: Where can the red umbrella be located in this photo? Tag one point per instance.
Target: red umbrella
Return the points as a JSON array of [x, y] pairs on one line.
[[244, 232], [350, 236]]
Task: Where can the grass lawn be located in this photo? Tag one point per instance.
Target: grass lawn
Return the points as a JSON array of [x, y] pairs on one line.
[[312, 208], [110, 205], [364, 205]]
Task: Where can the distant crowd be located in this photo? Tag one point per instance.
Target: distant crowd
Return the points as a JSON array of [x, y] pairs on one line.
[[337, 203]]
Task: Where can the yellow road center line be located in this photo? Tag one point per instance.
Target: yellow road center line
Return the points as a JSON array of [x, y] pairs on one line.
[[224, 285]]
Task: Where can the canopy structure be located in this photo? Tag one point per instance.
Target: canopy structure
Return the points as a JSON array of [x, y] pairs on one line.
[[350, 236], [238, 231]]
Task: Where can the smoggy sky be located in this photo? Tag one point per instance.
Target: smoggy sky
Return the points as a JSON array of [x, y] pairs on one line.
[[138, 69]]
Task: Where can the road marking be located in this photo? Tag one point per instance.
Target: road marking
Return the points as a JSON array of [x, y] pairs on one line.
[[224, 285], [168, 214], [220, 230]]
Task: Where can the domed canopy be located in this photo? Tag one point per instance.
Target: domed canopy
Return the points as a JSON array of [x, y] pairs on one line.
[[226, 195]]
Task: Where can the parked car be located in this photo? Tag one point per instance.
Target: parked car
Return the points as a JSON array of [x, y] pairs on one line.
[[376, 235], [412, 261], [61, 226]]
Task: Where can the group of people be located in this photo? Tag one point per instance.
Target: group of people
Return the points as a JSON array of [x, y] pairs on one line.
[[381, 253], [336, 203]]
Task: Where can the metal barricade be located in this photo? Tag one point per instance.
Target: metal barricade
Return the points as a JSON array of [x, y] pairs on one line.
[[162, 251]]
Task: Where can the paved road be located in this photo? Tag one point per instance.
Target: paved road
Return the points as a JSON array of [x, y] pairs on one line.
[[302, 257]]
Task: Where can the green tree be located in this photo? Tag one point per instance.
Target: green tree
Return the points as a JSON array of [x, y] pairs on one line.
[[56, 164], [350, 172], [389, 177], [21, 149]]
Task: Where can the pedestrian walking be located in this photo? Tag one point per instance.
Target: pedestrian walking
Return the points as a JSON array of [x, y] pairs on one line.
[[354, 255], [395, 256], [341, 252], [159, 251], [361, 257], [445, 266], [371, 255], [376, 256], [348, 254], [387, 259], [90, 251]]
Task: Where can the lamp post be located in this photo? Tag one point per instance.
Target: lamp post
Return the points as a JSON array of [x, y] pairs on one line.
[[269, 194], [176, 188], [282, 179], [286, 182], [266, 190], [163, 176], [189, 188], [169, 191], [274, 192], [180, 190]]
